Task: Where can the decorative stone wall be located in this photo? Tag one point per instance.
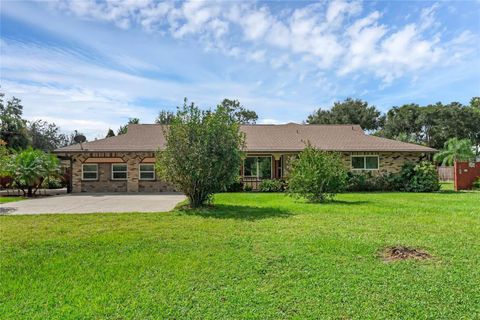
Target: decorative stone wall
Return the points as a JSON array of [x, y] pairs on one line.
[[105, 183]]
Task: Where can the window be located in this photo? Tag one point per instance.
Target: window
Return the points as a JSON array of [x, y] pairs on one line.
[[258, 167], [89, 171], [365, 162], [147, 172], [119, 171]]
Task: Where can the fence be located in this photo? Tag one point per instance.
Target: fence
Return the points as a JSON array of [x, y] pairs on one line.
[[465, 174], [446, 173], [252, 182]]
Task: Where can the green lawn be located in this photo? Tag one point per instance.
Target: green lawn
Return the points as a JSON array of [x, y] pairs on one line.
[[10, 199], [258, 256]]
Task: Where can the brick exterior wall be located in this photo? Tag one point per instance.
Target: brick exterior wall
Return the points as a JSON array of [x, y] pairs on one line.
[[104, 183], [388, 161]]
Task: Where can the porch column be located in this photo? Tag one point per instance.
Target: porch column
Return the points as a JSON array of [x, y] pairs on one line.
[[132, 167], [276, 163]]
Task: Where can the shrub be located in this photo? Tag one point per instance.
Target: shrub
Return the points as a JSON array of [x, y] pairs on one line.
[[53, 183], [316, 175], [29, 168], [247, 188], [272, 186], [421, 177], [203, 152], [476, 184], [367, 181], [236, 186]]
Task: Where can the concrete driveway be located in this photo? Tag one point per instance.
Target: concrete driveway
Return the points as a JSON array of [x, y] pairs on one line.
[[91, 203]]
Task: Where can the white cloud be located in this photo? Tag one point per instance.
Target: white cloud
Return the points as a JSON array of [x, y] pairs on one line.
[[337, 9], [331, 35], [286, 63], [256, 56]]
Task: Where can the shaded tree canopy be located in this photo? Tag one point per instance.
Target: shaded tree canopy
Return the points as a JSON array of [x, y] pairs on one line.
[[403, 123], [46, 136], [165, 117], [13, 128], [475, 103], [432, 125], [123, 129], [350, 111], [110, 133], [239, 112]]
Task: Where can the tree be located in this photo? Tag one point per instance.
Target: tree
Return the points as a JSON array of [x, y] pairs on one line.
[[239, 112], [432, 125], [123, 129], [475, 103], [110, 133], [165, 117], [403, 122], [316, 175], [4, 154], [349, 111], [70, 138], [13, 129], [45, 136], [203, 152], [30, 167], [455, 150]]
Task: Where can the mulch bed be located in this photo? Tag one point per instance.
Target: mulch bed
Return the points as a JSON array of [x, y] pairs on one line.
[[404, 253]]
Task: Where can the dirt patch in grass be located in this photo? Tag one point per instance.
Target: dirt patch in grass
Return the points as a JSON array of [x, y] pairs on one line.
[[404, 253]]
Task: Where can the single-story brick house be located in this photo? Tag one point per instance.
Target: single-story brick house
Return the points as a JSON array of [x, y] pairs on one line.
[[125, 163]]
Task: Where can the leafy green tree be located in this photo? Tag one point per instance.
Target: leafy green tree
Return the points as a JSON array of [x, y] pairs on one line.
[[350, 111], [110, 133], [475, 103], [316, 175], [203, 152], [13, 129], [403, 123], [432, 125], [239, 112], [123, 129], [455, 150], [30, 167], [165, 117], [4, 154], [45, 136]]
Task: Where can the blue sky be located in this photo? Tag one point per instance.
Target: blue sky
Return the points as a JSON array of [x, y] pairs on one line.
[[90, 65]]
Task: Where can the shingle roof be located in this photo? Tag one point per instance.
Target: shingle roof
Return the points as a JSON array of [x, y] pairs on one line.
[[259, 138]]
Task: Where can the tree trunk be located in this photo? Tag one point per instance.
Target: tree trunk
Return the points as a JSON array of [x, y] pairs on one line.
[[30, 193]]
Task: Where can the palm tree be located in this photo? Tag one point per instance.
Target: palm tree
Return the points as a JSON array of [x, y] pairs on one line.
[[455, 150], [30, 167]]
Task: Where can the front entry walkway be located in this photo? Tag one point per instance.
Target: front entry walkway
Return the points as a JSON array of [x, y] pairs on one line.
[[92, 203]]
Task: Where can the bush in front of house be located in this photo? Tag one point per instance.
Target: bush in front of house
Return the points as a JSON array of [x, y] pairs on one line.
[[29, 168], [272, 186], [420, 177], [476, 184], [203, 152], [247, 188], [236, 186], [316, 175], [53, 183], [368, 181]]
